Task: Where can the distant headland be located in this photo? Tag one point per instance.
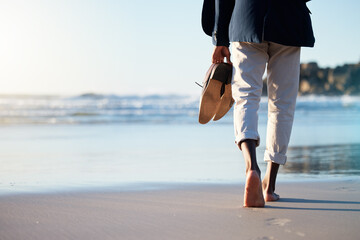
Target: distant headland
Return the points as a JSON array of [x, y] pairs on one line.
[[341, 80]]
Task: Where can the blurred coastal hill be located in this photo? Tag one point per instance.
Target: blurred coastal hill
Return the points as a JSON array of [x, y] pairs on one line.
[[341, 80]]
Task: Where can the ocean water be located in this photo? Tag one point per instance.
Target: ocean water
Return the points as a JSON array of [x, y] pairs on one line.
[[89, 141]]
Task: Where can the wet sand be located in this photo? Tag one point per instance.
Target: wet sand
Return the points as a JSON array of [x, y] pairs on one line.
[[309, 210]]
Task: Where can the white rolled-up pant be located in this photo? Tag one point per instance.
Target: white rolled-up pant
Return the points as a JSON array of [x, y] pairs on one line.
[[283, 69]]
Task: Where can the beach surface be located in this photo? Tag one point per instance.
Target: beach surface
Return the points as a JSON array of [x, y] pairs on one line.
[[307, 210]]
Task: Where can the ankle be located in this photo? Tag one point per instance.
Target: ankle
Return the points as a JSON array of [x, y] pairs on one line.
[[266, 185], [256, 169], [268, 190]]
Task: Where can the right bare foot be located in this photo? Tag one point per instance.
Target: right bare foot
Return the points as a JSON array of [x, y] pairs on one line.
[[268, 184], [271, 197], [253, 196]]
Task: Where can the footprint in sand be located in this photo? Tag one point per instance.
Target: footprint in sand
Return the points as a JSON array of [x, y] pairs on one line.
[[265, 238], [277, 221], [301, 234]]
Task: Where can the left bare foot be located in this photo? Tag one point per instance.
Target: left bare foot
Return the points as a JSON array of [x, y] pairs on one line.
[[253, 196]]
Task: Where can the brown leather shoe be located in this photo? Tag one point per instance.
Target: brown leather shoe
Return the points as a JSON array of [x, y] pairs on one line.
[[227, 100], [216, 98]]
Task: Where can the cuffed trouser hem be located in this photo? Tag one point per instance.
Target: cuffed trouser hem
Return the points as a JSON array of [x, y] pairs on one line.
[[247, 135], [275, 158]]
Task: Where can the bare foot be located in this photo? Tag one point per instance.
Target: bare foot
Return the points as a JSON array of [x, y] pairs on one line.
[[269, 194], [268, 184], [271, 197], [253, 196]]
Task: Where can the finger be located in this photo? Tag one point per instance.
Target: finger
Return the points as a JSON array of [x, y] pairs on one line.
[[213, 60], [216, 55], [228, 58], [221, 60]]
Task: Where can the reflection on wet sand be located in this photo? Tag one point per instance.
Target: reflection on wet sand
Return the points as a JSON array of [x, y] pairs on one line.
[[328, 159]]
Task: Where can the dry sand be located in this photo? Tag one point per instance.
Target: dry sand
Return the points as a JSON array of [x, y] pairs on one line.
[[311, 210]]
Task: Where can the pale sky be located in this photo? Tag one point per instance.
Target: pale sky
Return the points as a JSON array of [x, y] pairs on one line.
[[135, 47]]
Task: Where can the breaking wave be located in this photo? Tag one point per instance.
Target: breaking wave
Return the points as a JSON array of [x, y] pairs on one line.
[[179, 109]]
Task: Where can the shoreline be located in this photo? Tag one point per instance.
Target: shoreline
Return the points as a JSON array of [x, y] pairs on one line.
[[128, 187], [320, 210]]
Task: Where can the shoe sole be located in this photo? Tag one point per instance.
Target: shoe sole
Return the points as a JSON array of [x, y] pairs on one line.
[[210, 101], [225, 104]]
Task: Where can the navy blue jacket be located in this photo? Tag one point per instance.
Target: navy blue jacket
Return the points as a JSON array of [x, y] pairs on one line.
[[285, 22]]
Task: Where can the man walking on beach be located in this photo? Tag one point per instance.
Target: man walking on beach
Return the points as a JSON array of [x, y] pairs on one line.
[[263, 34]]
